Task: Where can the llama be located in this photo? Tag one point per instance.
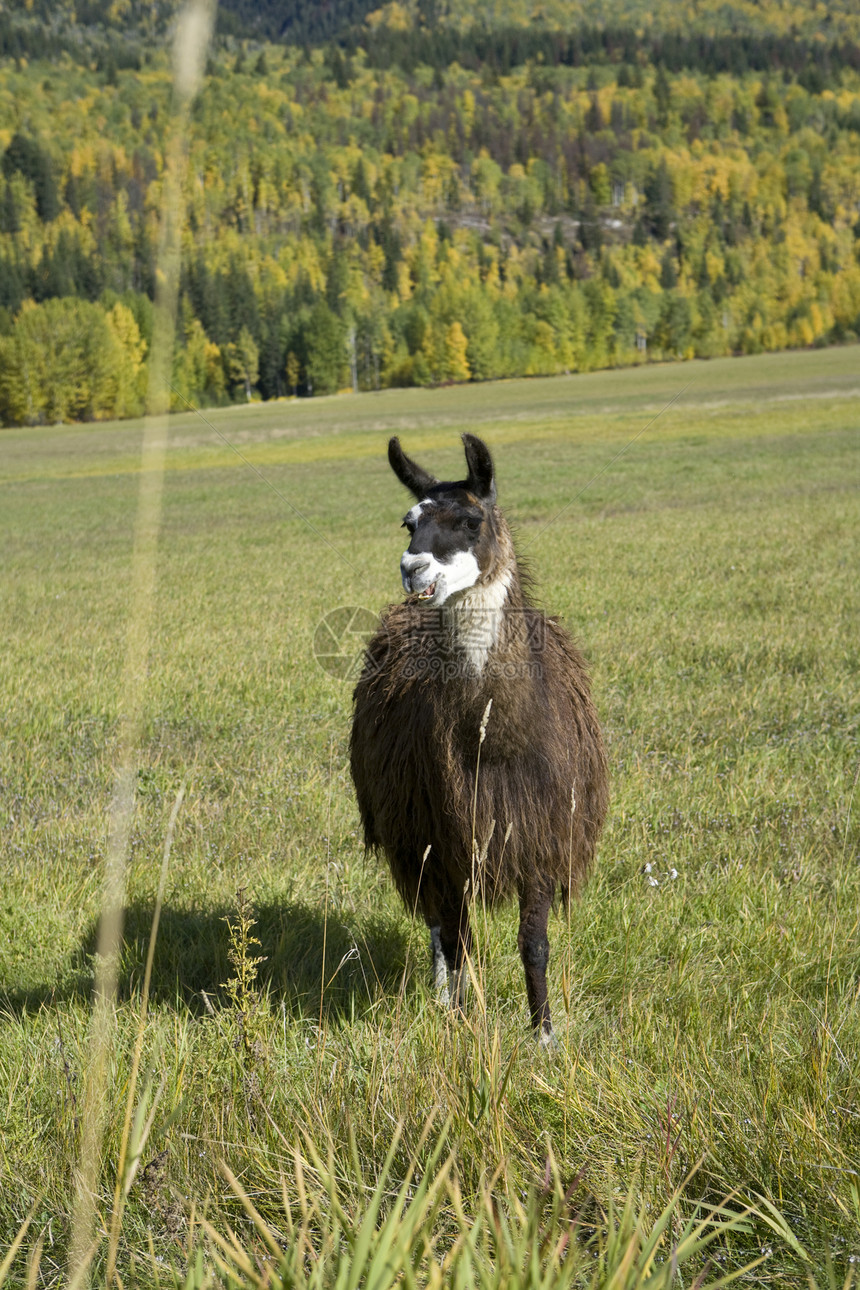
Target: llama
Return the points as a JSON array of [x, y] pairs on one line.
[[476, 752]]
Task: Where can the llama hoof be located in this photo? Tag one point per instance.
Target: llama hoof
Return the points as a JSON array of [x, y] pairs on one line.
[[546, 1040]]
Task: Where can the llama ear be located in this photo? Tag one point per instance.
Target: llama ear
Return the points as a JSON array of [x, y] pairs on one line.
[[417, 480], [481, 479]]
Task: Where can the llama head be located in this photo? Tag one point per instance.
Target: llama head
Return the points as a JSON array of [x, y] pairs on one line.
[[458, 538]]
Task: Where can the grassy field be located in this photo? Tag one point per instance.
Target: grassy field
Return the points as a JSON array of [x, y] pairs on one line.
[[697, 528]]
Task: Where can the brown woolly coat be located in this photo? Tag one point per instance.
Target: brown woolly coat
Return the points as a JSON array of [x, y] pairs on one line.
[[542, 791]]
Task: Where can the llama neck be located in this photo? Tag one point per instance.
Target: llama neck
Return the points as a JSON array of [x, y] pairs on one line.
[[474, 621]]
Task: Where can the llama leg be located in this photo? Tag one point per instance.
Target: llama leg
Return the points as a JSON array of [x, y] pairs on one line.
[[455, 943], [534, 951], [440, 967]]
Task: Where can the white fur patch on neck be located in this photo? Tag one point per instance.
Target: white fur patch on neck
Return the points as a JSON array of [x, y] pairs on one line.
[[475, 620], [460, 572]]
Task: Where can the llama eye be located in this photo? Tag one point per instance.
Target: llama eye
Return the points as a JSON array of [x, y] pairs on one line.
[[472, 525]]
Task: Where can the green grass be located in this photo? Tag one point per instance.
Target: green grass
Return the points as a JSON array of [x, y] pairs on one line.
[[710, 1026]]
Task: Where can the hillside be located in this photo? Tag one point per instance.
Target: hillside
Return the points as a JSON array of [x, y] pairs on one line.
[[417, 200]]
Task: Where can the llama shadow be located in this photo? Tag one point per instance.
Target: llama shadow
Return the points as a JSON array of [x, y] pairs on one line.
[[312, 964]]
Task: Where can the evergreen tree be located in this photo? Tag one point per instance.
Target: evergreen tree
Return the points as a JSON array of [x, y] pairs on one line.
[[326, 350], [240, 302], [359, 185], [668, 272], [590, 232], [659, 202], [662, 97], [10, 221], [243, 360], [11, 286], [293, 373], [594, 119], [337, 280], [673, 332], [25, 156]]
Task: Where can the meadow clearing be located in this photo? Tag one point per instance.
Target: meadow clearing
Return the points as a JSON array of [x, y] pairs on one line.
[[696, 527]]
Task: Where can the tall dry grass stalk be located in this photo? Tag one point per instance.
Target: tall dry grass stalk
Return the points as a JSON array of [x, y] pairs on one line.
[[128, 1161], [193, 30]]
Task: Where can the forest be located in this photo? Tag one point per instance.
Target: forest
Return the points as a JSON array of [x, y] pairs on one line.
[[397, 196]]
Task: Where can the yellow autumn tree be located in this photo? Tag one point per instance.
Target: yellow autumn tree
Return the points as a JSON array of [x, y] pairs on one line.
[[198, 370], [130, 389], [456, 364], [66, 360], [445, 352]]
